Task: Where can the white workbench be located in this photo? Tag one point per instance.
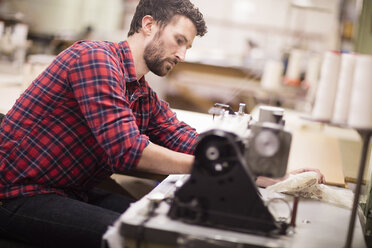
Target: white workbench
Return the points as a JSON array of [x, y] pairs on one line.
[[318, 224]]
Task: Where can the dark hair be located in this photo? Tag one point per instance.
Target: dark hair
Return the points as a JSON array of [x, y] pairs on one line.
[[164, 10]]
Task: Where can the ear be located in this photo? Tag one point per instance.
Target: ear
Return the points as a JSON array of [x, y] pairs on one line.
[[148, 25]]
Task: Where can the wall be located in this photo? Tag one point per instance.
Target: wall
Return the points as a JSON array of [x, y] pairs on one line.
[[363, 43], [275, 25], [69, 16]]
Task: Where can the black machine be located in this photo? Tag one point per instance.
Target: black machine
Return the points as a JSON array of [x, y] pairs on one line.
[[221, 190]]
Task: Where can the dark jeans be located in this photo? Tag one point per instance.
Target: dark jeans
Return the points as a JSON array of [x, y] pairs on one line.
[[51, 220]]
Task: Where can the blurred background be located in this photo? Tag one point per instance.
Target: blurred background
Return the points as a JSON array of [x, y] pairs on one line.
[[255, 51]]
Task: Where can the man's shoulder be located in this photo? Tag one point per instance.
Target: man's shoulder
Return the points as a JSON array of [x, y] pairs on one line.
[[88, 45]]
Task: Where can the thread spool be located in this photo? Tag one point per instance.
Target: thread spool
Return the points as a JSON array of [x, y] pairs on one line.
[[342, 103], [293, 73], [272, 75], [2, 27], [360, 114], [312, 76], [327, 87], [311, 80]]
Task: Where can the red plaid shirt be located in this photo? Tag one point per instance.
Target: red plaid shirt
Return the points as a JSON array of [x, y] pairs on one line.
[[85, 117]]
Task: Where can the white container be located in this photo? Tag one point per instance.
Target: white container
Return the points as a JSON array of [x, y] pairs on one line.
[[327, 87], [272, 75], [293, 73], [360, 112], [344, 88]]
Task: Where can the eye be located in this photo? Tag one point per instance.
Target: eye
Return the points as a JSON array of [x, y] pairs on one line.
[[179, 41]]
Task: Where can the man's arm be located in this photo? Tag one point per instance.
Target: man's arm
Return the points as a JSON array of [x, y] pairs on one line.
[[160, 160], [166, 130], [97, 84]]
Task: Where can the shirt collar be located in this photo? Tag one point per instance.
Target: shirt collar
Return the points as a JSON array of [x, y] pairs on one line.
[[129, 69]]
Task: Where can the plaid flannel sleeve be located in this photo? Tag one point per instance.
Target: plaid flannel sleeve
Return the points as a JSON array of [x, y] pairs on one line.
[[99, 88], [165, 129]]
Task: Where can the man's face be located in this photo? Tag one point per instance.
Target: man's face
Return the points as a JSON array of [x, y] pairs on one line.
[[169, 45]]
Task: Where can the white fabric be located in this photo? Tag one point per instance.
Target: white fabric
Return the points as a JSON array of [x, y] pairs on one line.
[[306, 185]]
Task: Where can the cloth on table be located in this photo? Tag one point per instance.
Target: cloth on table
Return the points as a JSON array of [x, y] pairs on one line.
[[306, 185]]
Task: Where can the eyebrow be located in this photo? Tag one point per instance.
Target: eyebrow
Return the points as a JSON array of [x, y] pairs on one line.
[[186, 40]]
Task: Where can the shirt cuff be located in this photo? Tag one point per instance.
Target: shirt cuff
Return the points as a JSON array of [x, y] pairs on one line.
[[134, 154]]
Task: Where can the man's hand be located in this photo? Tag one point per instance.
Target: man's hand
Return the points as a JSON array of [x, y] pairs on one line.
[[321, 178], [266, 181]]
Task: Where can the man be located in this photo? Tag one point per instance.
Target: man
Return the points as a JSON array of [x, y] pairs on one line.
[[89, 114]]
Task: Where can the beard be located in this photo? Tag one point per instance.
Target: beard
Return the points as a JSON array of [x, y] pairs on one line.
[[154, 57]]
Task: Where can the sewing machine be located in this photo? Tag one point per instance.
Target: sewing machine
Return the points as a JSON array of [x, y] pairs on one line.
[[228, 158], [219, 205]]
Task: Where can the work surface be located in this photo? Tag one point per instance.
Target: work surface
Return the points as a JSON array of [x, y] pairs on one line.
[[318, 225]]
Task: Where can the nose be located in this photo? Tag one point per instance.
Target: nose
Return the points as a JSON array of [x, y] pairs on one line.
[[181, 54]]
